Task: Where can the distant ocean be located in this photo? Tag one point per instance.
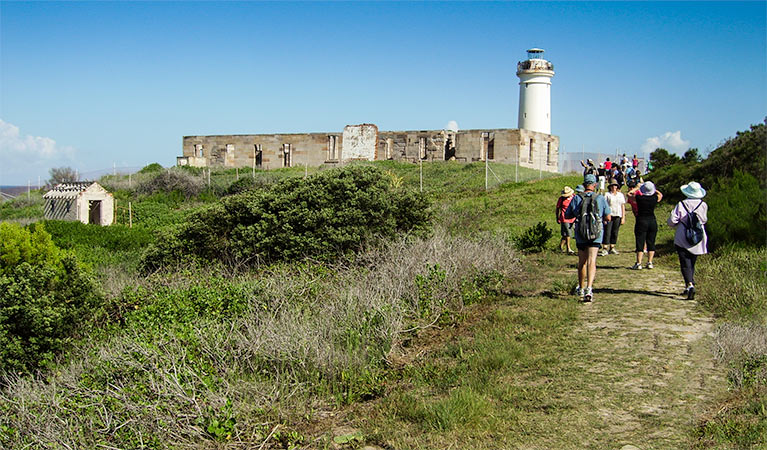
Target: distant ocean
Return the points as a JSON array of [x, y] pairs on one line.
[[15, 190]]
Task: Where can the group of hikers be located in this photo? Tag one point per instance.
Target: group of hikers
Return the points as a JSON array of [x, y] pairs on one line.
[[593, 219], [625, 172]]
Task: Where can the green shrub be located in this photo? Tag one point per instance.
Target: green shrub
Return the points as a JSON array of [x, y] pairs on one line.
[[44, 297], [534, 238], [322, 217], [151, 168], [737, 211], [249, 183], [19, 245]]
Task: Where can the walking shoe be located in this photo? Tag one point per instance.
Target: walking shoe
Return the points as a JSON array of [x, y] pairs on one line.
[[570, 252], [636, 266], [650, 266], [588, 296], [614, 252], [603, 252], [691, 293]]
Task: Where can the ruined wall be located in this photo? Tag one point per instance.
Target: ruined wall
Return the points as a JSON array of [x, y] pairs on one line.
[[545, 151], [316, 149], [360, 142], [268, 151], [107, 207]]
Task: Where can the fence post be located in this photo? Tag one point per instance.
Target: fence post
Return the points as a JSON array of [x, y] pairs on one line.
[[420, 171], [486, 162], [130, 216]]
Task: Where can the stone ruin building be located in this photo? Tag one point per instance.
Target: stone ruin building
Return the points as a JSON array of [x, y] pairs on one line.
[[85, 201], [532, 149]]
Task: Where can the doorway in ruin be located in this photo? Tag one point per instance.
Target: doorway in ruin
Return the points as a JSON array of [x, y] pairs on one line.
[[94, 212]]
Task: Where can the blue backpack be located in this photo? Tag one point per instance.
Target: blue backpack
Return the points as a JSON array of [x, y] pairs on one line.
[[693, 229]]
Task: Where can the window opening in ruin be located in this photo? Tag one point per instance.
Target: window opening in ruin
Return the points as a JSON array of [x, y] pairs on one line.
[[259, 155], [198, 150], [530, 157], [491, 148], [389, 144], [422, 147], [449, 148], [332, 146], [548, 153], [287, 151]]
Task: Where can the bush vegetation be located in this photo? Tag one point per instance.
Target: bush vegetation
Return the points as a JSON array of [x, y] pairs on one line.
[[534, 239], [323, 216], [45, 295], [169, 181], [746, 152]]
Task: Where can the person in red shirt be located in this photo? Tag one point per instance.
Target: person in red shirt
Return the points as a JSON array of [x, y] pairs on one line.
[[566, 226], [608, 165], [635, 162]]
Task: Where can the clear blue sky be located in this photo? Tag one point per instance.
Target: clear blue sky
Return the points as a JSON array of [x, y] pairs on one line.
[[93, 84]]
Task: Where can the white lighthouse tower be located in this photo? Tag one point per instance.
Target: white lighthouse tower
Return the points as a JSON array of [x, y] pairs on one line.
[[535, 92]]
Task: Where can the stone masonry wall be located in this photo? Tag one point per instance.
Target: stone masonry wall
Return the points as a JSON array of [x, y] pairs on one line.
[[316, 149]]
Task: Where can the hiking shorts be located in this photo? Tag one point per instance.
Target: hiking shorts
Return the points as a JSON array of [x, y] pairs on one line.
[[567, 229], [645, 230], [588, 245]]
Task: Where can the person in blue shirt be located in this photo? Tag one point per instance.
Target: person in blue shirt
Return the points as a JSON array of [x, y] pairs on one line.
[[587, 249]]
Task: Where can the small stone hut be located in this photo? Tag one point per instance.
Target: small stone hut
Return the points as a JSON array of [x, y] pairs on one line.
[[85, 201]]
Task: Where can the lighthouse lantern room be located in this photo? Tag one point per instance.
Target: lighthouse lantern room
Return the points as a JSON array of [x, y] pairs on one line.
[[535, 75]]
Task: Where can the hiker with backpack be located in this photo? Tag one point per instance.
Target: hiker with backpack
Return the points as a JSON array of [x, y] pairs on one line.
[[690, 238], [591, 212], [646, 226], [567, 226]]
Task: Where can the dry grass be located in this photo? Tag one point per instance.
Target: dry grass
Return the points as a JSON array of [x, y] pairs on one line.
[[310, 334]]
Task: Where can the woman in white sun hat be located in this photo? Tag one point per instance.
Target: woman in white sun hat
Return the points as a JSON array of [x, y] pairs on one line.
[[689, 218]]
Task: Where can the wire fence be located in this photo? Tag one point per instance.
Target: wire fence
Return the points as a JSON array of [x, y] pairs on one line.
[[571, 161]]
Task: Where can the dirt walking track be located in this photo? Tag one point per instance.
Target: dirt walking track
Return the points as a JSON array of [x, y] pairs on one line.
[[648, 359]]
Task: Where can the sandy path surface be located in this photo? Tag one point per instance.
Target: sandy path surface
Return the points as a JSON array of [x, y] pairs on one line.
[[648, 358]]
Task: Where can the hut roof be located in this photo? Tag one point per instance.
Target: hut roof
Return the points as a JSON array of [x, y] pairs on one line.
[[70, 190]]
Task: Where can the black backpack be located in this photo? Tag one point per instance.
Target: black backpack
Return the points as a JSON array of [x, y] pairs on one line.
[[693, 230], [589, 219]]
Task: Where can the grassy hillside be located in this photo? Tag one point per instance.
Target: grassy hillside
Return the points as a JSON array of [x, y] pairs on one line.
[[434, 341]]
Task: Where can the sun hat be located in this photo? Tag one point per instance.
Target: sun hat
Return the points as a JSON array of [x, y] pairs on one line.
[[567, 191], [693, 189], [648, 188], [580, 188], [589, 179], [613, 182]]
